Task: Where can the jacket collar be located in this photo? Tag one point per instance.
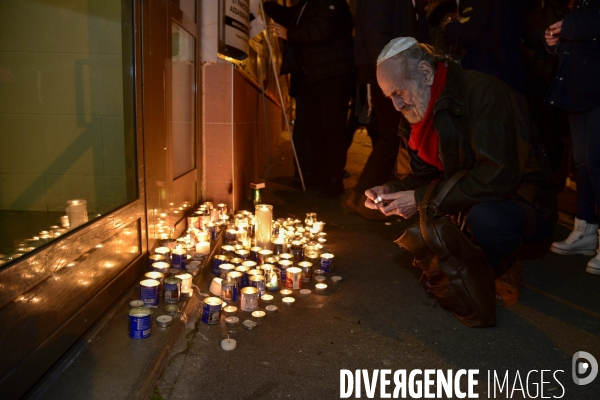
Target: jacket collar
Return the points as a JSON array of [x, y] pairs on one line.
[[453, 97]]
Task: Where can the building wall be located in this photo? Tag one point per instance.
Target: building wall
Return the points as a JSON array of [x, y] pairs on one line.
[[237, 146], [61, 105]]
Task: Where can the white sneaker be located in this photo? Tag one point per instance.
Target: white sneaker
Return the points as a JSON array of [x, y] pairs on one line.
[[582, 240], [593, 266]]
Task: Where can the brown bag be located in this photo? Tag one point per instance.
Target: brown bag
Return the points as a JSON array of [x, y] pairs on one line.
[[455, 270]]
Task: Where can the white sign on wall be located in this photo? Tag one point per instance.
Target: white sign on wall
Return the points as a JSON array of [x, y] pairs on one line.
[[235, 28]]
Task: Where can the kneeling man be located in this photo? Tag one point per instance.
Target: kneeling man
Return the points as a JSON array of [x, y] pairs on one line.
[[467, 120]]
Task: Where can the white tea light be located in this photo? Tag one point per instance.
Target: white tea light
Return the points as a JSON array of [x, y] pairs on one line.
[[258, 315], [320, 287], [266, 298], [320, 278], [228, 344], [286, 292], [288, 301], [230, 310], [305, 292], [136, 304], [336, 279], [164, 321], [271, 309], [232, 321], [171, 309]]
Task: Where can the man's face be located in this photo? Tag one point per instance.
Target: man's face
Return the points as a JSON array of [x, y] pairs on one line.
[[410, 97]]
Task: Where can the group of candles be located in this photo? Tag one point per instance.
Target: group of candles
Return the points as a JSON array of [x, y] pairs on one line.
[[172, 267], [258, 255], [77, 214], [291, 259]]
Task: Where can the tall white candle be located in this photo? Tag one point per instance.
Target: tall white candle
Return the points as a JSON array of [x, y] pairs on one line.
[[77, 212], [264, 220], [203, 248]]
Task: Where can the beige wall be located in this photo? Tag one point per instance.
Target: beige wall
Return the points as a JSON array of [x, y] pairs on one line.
[[234, 136], [61, 104]]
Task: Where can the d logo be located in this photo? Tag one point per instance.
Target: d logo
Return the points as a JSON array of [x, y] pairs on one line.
[[583, 367]]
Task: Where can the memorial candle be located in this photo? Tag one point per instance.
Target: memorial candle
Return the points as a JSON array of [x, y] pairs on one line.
[[264, 220]]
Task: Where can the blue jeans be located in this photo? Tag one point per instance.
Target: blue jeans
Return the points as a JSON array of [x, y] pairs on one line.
[[501, 227], [585, 135]]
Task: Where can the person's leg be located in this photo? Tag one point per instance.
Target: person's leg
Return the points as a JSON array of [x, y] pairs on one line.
[[592, 162], [316, 141], [379, 167], [301, 141], [500, 228], [581, 138], [334, 94], [584, 237]]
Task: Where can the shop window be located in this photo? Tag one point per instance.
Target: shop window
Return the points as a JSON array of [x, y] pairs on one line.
[[66, 118]]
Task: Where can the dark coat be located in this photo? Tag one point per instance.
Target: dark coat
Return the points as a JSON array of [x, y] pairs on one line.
[[490, 31], [378, 22], [484, 127], [577, 83], [321, 33]]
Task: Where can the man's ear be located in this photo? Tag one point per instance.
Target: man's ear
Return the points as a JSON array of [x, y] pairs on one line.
[[427, 71]]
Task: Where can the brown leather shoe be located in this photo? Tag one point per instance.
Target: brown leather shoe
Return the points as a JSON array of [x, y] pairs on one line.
[[357, 204], [508, 286]]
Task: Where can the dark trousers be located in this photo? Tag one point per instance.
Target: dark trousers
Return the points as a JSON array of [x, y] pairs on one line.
[[501, 227], [585, 137], [379, 167], [301, 142], [326, 114]]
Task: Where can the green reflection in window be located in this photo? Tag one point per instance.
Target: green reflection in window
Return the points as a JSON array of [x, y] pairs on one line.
[[66, 116]]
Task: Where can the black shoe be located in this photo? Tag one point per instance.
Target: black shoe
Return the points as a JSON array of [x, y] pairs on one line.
[[332, 191]]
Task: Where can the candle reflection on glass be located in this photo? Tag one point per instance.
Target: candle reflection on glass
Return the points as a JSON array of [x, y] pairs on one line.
[[77, 212]]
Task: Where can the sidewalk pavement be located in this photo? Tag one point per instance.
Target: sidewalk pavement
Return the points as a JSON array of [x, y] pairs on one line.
[[377, 317]]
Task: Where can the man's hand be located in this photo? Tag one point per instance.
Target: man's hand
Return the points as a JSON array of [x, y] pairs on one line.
[[401, 203], [553, 34], [278, 30], [374, 193]]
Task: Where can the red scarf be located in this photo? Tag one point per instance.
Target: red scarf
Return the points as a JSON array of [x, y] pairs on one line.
[[423, 137]]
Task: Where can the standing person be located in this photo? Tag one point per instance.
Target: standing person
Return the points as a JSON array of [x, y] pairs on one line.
[[378, 22], [291, 66], [321, 32], [576, 88], [490, 31], [541, 67]]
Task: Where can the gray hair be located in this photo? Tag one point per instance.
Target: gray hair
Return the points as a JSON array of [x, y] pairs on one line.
[[409, 60]]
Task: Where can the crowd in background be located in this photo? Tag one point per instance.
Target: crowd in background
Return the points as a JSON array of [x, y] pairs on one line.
[[545, 50]]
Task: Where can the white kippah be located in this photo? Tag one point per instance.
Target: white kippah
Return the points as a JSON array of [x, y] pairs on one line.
[[395, 46]]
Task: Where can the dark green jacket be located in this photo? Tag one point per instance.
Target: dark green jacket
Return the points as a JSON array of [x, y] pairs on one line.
[[484, 127]]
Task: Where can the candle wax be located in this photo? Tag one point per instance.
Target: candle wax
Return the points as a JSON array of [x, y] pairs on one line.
[[228, 344]]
